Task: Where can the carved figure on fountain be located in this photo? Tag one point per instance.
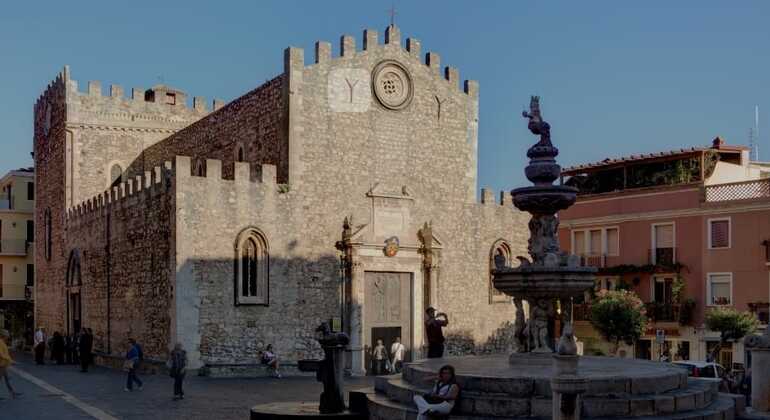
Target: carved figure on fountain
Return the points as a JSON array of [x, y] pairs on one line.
[[543, 237], [538, 326], [519, 327]]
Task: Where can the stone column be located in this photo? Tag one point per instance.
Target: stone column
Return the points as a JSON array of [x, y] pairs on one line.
[[567, 388], [760, 379], [356, 314]]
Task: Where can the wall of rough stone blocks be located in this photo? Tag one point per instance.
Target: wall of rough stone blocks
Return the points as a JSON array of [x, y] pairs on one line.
[[253, 121], [50, 134], [124, 242], [211, 212], [345, 153]]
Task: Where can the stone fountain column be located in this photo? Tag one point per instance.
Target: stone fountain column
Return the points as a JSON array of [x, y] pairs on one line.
[[549, 274]]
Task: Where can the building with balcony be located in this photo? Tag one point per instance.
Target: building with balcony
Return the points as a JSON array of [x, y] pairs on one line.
[[17, 235], [687, 230]]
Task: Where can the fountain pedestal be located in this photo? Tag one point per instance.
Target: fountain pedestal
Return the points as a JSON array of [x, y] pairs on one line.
[[567, 388]]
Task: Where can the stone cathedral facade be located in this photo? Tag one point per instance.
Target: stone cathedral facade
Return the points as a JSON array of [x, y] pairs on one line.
[[344, 188]]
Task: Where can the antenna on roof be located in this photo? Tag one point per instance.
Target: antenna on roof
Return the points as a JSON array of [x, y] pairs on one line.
[[754, 137]]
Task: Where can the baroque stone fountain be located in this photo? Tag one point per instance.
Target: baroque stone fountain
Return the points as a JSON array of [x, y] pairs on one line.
[[550, 275]]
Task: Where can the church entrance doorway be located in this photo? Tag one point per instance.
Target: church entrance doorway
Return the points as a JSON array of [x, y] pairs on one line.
[[388, 311]]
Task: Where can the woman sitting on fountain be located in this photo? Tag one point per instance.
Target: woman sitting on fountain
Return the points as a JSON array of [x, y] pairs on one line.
[[441, 400]]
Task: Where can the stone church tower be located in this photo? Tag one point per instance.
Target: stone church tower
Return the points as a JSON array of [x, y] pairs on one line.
[[340, 189]]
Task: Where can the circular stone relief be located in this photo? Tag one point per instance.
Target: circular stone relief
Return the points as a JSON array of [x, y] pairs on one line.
[[392, 85]]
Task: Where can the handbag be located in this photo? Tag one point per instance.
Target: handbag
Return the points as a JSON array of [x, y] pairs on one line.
[[128, 365]]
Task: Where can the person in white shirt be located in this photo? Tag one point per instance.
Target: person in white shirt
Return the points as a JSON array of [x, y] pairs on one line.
[[441, 400], [40, 339], [397, 351], [270, 359]]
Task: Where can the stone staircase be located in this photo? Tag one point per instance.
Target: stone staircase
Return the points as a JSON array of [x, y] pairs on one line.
[[693, 399]]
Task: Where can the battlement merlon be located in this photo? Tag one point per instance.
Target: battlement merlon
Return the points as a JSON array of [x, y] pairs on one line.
[[245, 172], [111, 106], [159, 180], [125, 194], [323, 54], [58, 83]]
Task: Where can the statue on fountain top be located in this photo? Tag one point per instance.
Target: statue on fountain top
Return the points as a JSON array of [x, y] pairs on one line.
[[536, 124]]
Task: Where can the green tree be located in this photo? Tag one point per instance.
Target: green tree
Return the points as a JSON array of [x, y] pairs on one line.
[[731, 324], [618, 315]]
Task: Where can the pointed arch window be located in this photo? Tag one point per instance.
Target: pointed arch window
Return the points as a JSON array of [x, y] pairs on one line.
[[499, 258], [252, 268], [240, 154]]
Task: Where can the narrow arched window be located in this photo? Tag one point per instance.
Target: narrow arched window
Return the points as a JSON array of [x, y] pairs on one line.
[[499, 259], [116, 175], [47, 234], [252, 268], [240, 155], [200, 168]]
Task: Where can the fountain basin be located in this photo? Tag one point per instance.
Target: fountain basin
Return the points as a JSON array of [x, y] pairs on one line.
[[543, 282], [544, 199]]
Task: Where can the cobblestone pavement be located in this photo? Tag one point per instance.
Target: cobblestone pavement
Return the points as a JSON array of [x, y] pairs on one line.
[[62, 392]]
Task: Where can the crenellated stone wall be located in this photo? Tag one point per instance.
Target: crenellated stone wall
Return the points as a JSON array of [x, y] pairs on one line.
[[381, 136]]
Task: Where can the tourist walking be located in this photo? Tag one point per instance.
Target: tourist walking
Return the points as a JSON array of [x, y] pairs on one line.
[[6, 361], [40, 340], [379, 358], [177, 363], [85, 345], [433, 325], [397, 351], [441, 400], [270, 359], [131, 364]]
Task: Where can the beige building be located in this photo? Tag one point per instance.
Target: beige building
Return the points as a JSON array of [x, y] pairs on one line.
[[17, 235]]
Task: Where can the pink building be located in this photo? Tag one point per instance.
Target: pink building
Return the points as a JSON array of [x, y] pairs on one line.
[[687, 230]]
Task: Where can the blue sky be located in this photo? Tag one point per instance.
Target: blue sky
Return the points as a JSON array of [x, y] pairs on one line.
[[615, 77]]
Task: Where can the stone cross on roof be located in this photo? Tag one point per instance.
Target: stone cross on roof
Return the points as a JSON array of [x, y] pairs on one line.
[[393, 14]]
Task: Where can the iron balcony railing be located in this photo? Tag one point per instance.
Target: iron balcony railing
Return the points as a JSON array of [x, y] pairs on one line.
[[662, 256], [593, 260], [734, 191], [663, 312]]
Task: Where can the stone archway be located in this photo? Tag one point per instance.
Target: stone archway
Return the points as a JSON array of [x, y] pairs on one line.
[[73, 286]]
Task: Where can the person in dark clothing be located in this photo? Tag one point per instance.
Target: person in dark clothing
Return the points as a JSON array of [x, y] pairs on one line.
[[433, 325], [68, 349], [76, 348], [57, 348], [177, 368], [85, 344], [745, 387]]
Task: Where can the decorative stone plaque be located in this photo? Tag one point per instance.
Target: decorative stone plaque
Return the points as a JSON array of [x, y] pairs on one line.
[[392, 85]]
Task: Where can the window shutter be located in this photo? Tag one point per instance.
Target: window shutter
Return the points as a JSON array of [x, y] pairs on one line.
[[720, 289], [664, 236], [720, 234], [596, 242], [613, 242], [579, 243]]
